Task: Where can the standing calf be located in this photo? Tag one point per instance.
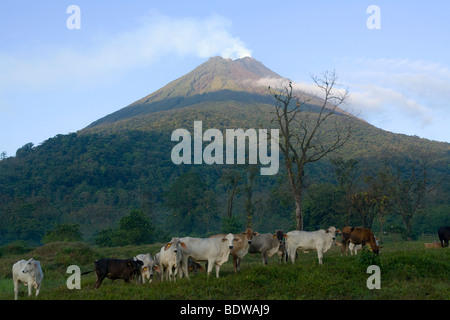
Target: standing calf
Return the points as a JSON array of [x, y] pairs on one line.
[[116, 269]]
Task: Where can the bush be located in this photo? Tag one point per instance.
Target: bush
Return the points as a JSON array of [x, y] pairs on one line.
[[368, 258], [63, 232], [134, 229], [17, 247]]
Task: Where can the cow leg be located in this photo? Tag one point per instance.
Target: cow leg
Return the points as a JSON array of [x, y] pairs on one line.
[[236, 263], [320, 256], [163, 273], [265, 258], [210, 266], [291, 252], [38, 288], [16, 288], [170, 272], [343, 248], [217, 270], [99, 281], [29, 289], [175, 274], [184, 266]]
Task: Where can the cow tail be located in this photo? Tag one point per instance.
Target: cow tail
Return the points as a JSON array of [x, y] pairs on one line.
[[87, 272]]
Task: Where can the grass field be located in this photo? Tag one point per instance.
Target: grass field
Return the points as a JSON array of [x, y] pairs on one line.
[[408, 272]]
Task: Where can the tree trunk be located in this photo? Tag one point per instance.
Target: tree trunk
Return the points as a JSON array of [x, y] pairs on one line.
[[298, 211], [407, 220]]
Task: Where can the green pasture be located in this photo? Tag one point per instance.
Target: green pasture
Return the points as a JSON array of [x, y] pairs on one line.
[[408, 272]]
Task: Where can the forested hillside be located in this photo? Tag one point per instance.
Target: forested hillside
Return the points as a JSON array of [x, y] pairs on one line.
[[122, 163]]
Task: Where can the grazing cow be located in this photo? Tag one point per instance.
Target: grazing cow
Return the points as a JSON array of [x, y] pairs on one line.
[[358, 235], [148, 267], [267, 244], [320, 240], [169, 259], [116, 269], [29, 273], [444, 236], [355, 247], [240, 247], [215, 251], [194, 266]]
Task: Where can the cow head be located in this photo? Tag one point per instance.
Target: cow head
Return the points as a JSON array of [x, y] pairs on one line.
[[332, 231], [135, 265], [230, 238], [249, 234], [279, 235], [175, 242], [30, 267]]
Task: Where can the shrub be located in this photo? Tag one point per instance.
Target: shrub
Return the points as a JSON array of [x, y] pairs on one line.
[[63, 232]]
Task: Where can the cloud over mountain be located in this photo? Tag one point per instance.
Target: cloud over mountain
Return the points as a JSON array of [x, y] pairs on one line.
[[156, 36]]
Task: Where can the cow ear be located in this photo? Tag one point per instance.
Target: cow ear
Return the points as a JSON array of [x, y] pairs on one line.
[[327, 231], [129, 263], [243, 233], [183, 245], [157, 269], [255, 233], [167, 246], [285, 235], [274, 236], [224, 239]]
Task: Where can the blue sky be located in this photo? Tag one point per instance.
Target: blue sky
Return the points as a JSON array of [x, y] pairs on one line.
[[54, 80]]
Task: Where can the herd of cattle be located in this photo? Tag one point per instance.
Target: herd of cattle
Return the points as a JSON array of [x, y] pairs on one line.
[[181, 255]]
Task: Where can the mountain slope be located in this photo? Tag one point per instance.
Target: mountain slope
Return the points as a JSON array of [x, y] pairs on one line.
[[123, 160], [217, 79]]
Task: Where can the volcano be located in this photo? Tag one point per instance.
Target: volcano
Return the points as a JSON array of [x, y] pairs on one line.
[[123, 160], [216, 80]]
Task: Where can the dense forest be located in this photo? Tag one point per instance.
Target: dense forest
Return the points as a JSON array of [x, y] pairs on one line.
[[87, 183], [95, 179]]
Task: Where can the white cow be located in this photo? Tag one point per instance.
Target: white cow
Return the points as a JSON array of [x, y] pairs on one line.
[[29, 273], [320, 240], [169, 258], [147, 268], [215, 251]]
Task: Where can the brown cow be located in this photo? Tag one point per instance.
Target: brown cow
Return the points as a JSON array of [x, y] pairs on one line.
[[358, 235]]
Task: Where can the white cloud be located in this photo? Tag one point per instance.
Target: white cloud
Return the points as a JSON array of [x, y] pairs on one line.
[[400, 95], [157, 36]]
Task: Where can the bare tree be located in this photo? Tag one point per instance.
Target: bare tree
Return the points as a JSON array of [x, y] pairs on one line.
[[300, 117]]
